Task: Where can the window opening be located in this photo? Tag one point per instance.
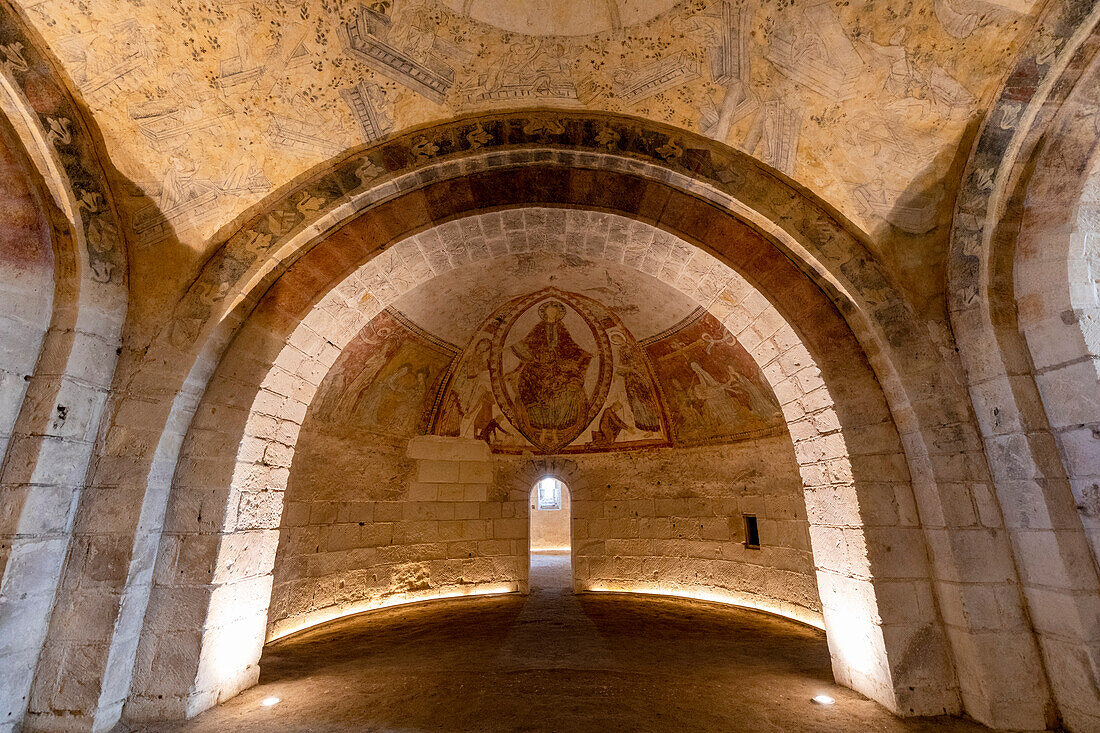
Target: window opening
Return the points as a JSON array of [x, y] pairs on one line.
[[752, 532]]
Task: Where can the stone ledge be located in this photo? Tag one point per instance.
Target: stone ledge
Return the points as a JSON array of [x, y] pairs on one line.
[[441, 448]]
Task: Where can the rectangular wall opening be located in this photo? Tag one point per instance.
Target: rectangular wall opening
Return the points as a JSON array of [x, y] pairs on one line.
[[752, 532]]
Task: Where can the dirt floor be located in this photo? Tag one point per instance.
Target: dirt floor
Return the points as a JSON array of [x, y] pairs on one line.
[[553, 661]]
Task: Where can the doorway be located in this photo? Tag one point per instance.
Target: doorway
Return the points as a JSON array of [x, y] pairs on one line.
[[551, 534]]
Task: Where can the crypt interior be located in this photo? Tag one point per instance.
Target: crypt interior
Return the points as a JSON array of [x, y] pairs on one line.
[[549, 365]]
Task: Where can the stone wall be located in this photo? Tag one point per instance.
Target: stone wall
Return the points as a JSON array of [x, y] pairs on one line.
[[370, 522], [671, 521]]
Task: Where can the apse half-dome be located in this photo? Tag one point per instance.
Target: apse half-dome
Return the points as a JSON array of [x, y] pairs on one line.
[[550, 369]]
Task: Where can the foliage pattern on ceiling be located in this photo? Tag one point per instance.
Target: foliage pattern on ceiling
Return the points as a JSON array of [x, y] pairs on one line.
[[209, 106], [550, 372]]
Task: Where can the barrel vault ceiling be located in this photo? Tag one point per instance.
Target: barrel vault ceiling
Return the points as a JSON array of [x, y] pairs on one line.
[[207, 106]]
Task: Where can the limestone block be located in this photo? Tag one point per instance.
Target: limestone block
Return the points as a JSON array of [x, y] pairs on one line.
[[357, 511], [296, 513], [16, 675], [259, 510], [1081, 447], [323, 512], [21, 624], [1066, 402], [509, 528], [389, 511], [423, 510], [229, 657], [1054, 558], [491, 510], [1012, 659], [475, 493], [452, 492], [468, 509], [178, 608], [82, 693], [475, 472], [255, 477], [36, 510], [422, 492], [245, 554], [377, 534], [440, 448], [437, 471], [1074, 669]]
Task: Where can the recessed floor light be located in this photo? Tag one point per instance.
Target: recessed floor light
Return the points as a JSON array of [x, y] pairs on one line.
[[269, 701], [823, 700]]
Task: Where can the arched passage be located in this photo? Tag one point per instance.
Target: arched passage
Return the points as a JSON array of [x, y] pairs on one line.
[[551, 517], [863, 530], [414, 181]]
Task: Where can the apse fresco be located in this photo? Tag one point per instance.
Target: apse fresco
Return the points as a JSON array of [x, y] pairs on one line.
[[551, 371], [547, 370], [385, 379], [714, 389]]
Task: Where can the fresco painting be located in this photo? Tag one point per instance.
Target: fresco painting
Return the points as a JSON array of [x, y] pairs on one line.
[[385, 380], [715, 391], [210, 106], [551, 366], [551, 371]]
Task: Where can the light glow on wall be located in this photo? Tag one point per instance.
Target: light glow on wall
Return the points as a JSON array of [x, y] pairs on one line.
[[855, 641], [324, 615], [268, 702], [729, 598]]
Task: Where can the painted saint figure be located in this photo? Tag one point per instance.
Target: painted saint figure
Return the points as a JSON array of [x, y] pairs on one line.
[[611, 424], [639, 389], [720, 408], [469, 409], [549, 380]]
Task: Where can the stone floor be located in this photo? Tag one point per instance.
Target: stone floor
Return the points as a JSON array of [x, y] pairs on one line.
[[552, 661]]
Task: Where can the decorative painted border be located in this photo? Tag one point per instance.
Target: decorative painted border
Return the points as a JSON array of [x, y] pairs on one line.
[[63, 118]]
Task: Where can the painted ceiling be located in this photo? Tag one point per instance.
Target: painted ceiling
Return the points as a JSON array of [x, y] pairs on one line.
[[454, 305], [209, 106], [567, 356]]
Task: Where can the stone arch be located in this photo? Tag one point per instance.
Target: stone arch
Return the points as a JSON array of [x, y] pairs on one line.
[[54, 435], [26, 280], [991, 224], [301, 596], [1056, 272], [247, 425], [613, 163]]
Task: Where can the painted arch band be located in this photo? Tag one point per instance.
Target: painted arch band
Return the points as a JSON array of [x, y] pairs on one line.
[[829, 397], [796, 367]]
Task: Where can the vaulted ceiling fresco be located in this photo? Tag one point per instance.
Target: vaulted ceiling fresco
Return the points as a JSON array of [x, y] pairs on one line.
[[612, 359], [208, 106]]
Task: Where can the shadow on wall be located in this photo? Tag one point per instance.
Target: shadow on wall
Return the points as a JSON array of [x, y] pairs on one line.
[[917, 223]]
